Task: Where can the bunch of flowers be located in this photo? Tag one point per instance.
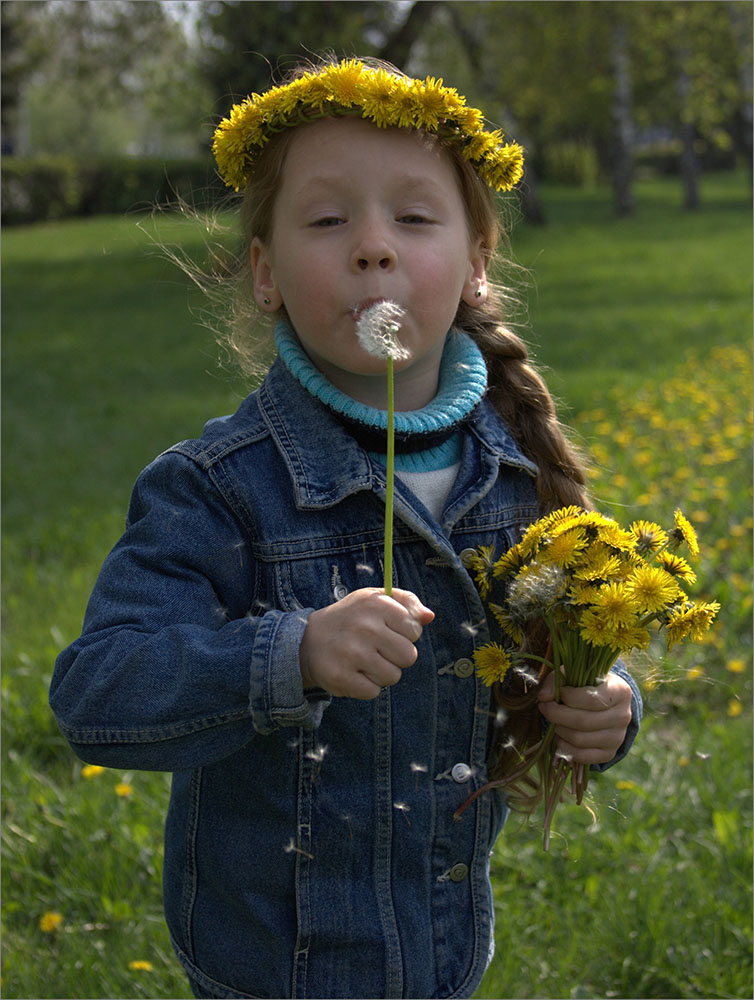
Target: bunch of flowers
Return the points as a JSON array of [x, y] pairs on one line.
[[387, 99], [601, 590]]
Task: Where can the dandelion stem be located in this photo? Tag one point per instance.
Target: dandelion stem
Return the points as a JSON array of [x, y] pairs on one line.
[[388, 559]]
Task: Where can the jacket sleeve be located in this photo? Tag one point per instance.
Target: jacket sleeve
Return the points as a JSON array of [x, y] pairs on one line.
[[637, 710], [174, 669]]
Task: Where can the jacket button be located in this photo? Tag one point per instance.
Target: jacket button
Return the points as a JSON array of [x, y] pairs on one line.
[[339, 591], [459, 872], [460, 773], [463, 667], [467, 557]]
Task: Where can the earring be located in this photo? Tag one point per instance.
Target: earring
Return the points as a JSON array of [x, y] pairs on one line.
[[478, 292], [266, 302]]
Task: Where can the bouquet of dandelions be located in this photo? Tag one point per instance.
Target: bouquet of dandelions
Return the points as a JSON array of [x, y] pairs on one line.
[[599, 589], [377, 331]]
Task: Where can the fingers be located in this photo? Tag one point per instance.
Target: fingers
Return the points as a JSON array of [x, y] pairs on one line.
[[590, 722]]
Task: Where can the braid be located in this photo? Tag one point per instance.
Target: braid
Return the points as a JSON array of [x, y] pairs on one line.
[[519, 394]]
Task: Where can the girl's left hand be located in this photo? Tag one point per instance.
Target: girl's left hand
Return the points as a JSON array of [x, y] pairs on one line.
[[590, 722]]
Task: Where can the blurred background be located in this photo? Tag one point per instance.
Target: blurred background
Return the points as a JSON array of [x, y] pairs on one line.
[[632, 265], [103, 103]]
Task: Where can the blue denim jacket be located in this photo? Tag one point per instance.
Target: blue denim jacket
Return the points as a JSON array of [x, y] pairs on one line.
[[310, 847]]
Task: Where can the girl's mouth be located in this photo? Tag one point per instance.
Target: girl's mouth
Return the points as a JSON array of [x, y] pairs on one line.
[[358, 311]]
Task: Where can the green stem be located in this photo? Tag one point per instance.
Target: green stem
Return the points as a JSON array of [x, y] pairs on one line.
[[388, 559]]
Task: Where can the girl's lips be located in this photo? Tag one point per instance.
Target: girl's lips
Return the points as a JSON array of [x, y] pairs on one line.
[[358, 311]]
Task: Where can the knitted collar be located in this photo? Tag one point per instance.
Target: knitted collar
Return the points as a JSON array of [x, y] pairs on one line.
[[462, 384]]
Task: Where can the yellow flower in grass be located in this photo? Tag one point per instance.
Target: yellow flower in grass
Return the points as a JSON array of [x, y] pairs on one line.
[[616, 603], [653, 588], [676, 566], [91, 770], [735, 666], [684, 532], [50, 922], [123, 790], [140, 965], [492, 663]]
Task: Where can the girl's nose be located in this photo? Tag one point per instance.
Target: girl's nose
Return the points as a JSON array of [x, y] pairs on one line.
[[373, 250]]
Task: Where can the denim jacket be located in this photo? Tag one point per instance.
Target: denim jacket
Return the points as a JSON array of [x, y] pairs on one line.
[[310, 846]]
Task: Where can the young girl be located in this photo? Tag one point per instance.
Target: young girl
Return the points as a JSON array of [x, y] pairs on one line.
[[322, 733]]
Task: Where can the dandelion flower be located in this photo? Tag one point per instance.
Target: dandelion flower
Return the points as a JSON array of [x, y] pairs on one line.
[[140, 965], [676, 566], [50, 922], [123, 789], [684, 532], [564, 548], [735, 666], [596, 630], [653, 588], [735, 708], [616, 603], [492, 663], [91, 770], [650, 537]]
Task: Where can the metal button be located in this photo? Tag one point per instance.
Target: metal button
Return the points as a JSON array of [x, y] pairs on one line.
[[339, 591], [467, 557], [460, 773], [463, 667], [459, 872]]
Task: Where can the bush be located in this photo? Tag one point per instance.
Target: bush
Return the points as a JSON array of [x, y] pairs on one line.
[[43, 188]]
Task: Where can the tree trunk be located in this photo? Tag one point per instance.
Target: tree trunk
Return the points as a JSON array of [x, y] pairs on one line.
[[397, 48], [623, 124]]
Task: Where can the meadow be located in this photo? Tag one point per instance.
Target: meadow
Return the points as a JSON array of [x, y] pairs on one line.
[[643, 325]]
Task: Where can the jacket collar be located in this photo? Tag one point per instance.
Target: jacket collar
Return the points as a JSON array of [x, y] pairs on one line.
[[326, 464]]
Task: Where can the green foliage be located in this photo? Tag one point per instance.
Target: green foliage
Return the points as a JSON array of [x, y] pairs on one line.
[[48, 187], [104, 367]]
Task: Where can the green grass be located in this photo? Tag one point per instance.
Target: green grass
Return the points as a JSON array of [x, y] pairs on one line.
[[644, 324]]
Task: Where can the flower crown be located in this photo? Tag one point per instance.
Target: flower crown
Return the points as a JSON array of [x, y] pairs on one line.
[[352, 88]]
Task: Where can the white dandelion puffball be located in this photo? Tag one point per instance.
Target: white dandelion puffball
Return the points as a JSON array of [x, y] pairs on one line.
[[377, 330]]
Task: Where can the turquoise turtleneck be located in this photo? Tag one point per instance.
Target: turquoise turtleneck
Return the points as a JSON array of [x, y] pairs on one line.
[[427, 439]]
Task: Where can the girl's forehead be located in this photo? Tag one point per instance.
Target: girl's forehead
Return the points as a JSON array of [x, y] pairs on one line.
[[340, 145]]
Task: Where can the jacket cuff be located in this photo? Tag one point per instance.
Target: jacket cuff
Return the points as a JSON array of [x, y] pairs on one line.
[[276, 689], [637, 710]]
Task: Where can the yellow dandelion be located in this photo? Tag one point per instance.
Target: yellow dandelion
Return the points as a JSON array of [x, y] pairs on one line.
[[140, 965], [91, 770], [434, 101], [376, 91], [611, 534], [342, 81], [616, 603], [492, 663], [564, 547], [50, 922], [735, 708], [653, 588], [735, 666], [677, 566], [684, 532], [650, 537], [626, 785], [508, 624], [683, 761], [596, 630], [123, 789], [694, 673], [583, 592], [597, 562], [511, 561], [632, 636]]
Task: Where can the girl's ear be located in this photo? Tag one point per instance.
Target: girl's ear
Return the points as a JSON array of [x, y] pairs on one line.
[[266, 294], [475, 289]]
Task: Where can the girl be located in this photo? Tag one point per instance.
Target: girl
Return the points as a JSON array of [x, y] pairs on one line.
[[322, 733]]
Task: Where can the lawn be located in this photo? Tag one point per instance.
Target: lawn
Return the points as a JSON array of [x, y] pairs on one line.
[[644, 326]]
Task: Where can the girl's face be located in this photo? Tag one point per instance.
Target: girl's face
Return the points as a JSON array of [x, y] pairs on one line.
[[364, 214]]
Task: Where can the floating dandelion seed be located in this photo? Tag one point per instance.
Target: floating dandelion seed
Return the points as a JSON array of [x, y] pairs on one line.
[[418, 769], [377, 331], [403, 808], [317, 754], [290, 848], [363, 568]]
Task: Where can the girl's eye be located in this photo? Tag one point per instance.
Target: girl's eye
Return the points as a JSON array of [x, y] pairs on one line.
[[414, 219], [330, 220]]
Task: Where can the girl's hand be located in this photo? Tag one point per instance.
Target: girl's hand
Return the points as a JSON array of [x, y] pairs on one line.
[[590, 722], [361, 644]]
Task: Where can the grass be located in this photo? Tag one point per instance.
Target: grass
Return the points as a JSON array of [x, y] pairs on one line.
[[644, 324]]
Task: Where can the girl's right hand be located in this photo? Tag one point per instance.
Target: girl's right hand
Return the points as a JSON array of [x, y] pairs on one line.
[[361, 644]]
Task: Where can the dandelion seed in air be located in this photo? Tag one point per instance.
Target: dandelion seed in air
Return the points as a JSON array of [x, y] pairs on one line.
[[290, 848], [402, 808]]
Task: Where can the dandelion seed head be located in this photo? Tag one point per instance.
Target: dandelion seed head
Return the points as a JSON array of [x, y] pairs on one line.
[[377, 330]]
